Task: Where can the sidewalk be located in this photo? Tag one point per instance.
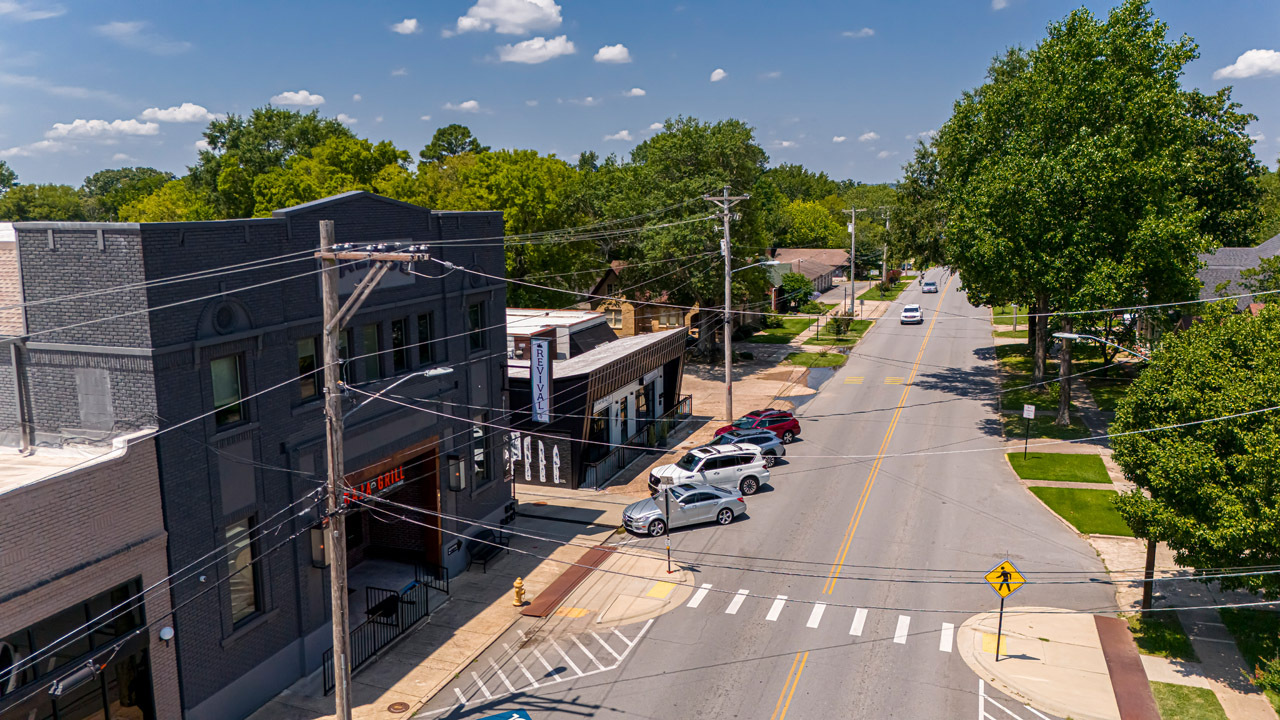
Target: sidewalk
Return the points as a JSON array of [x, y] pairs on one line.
[[480, 610]]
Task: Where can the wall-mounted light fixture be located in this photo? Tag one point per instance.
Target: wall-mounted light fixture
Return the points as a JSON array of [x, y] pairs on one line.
[[166, 634], [457, 481]]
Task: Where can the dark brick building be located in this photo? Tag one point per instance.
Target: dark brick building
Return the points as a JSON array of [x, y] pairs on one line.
[[207, 345]]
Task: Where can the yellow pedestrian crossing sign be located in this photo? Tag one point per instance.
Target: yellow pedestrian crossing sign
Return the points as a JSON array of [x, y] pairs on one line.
[[1005, 579]]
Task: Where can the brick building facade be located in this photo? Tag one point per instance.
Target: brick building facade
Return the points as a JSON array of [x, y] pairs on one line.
[[203, 346]]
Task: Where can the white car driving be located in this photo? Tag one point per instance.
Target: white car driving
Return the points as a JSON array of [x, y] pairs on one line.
[[912, 315]]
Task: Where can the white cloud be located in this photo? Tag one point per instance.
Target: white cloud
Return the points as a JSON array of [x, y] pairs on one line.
[[346, 119], [620, 135], [184, 113], [408, 26], [613, 54], [1253, 63], [298, 97], [531, 103], [470, 106], [511, 17], [885, 154], [357, 97], [122, 157], [134, 35], [35, 148], [657, 126], [101, 128], [26, 12], [587, 101], [839, 139], [42, 85], [999, 4], [784, 144], [399, 72], [868, 137], [863, 33], [926, 135], [536, 50], [378, 119], [718, 74], [425, 118], [771, 75], [635, 92], [201, 144], [1258, 138]]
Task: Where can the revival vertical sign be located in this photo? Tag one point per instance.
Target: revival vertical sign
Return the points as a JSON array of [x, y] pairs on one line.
[[540, 378]]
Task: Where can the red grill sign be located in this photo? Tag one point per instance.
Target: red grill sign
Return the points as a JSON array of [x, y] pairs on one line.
[[375, 486]]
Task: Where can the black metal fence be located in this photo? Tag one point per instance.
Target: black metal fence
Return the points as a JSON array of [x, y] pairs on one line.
[[599, 473], [388, 615]]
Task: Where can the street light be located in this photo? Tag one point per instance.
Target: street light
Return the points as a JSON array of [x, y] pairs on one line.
[[728, 337], [1148, 581], [433, 372]]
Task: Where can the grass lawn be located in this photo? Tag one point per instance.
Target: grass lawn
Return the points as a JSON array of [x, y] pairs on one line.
[[816, 359], [1062, 467], [1183, 702], [1090, 511], [826, 337], [1044, 397], [1162, 635], [791, 327], [1019, 334], [1003, 315], [1106, 393], [1043, 427], [1257, 634], [1016, 358], [875, 294]]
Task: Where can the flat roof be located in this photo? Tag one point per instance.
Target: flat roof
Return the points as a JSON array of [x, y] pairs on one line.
[[45, 463], [526, 321], [596, 357]]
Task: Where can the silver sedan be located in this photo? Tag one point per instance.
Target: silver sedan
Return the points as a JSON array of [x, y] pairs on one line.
[[689, 504]]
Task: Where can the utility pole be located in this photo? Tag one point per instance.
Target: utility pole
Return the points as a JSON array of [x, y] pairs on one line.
[[335, 318], [884, 257], [724, 202]]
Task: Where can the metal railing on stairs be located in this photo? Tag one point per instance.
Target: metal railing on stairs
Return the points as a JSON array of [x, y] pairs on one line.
[[389, 615], [598, 474]]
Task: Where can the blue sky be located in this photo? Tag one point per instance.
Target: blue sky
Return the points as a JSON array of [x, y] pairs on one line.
[[89, 85]]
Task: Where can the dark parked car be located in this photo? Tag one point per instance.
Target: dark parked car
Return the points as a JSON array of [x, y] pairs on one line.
[[780, 422]]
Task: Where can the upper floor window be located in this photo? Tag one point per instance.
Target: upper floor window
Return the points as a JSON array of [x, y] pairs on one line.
[[476, 330], [242, 570], [228, 375], [614, 317], [426, 339], [367, 347], [400, 345], [309, 376]]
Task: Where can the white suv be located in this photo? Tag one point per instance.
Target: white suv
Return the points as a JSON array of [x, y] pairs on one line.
[[734, 467]]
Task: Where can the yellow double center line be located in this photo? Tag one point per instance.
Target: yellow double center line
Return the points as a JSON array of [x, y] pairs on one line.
[[797, 664], [789, 689], [875, 467]]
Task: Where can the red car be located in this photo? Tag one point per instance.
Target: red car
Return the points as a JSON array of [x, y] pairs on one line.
[[780, 422]]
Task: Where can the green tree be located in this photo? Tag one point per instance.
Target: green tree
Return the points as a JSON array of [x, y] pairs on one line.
[[1082, 175], [796, 289], [243, 148], [106, 191], [1264, 278], [8, 178], [42, 202], [1214, 486], [175, 201], [449, 141], [1268, 206], [807, 224], [797, 183], [337, 165], [588, 161], [918, 216]]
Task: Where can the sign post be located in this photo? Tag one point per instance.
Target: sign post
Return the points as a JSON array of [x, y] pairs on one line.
[[1015, 317], [1028, 412], [667, 534], [1006, 580]]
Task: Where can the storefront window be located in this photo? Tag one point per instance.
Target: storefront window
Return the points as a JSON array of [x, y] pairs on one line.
[[243, 572]]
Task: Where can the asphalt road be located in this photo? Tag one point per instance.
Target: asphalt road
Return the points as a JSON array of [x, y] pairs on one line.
[[860, 546]]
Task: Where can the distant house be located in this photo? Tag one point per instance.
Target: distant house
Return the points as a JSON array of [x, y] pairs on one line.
[[638, 311], [838, 259], [1222, 270], [819, 265]]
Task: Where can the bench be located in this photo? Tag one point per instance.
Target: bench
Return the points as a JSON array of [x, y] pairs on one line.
[[485, 546]]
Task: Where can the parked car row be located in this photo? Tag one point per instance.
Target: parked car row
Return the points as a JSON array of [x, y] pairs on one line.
[[710, 482]]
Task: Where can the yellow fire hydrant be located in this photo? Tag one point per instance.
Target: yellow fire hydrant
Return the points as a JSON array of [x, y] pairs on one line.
[[518, 587]]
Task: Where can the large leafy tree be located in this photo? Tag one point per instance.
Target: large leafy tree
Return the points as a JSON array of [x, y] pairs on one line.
[[1083, 176], [42, 202], [337, 165], [808, 224], [798, 183], [106, 191], [175, 201], [918, 217], [8, 178], [1264, 278], [1268, 206], [1210, 490], [243, 148], [449, 141]]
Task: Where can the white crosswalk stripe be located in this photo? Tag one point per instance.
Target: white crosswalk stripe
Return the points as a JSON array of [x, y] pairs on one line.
[[776, 610], [698, 596], [948, 633], [736, 602], [900, 635], [815, 617], [859, 620]]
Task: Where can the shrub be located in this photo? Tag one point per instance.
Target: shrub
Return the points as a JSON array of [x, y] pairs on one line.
[[813, 308]]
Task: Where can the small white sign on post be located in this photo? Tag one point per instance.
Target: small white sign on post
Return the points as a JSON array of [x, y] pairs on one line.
[[1029, 412]]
